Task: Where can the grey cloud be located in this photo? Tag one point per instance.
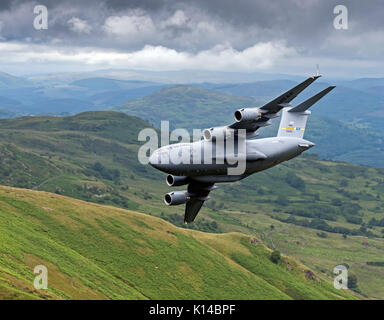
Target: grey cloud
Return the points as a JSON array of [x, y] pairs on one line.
[[304, 25], [6, 4]]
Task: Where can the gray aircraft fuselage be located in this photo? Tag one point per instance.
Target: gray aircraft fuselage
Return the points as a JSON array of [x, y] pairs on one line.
[[261, 154]]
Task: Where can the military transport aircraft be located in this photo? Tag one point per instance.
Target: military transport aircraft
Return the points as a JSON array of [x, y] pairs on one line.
[[258, 154]]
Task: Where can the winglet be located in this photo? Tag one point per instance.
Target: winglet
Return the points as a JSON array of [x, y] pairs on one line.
[[311, 101]]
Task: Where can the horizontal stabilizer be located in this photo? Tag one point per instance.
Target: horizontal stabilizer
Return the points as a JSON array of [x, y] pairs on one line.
[[311, 101]]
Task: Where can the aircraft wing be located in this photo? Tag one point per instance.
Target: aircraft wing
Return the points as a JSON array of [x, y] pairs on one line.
[[283, 100], [199, 193], [270, 109]]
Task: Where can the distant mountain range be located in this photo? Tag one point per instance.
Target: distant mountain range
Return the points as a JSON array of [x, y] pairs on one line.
[[8, 81], [34, 98]]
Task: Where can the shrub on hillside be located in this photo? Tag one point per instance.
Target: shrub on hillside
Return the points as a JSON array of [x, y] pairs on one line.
[[294, 181], [275, 256]]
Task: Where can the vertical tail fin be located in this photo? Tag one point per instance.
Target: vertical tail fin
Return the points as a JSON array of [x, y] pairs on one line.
[[294, 120]]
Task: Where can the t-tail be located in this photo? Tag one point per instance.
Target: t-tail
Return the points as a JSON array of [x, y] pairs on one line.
[[294, 119]]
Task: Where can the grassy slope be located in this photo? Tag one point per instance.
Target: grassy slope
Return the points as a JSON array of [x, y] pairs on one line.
[[94, 251]]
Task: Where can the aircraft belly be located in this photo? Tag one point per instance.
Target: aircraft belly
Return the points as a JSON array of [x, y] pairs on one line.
[[192, 170]]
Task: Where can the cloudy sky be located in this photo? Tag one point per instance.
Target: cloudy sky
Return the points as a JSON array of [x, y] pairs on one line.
[[284, 36]]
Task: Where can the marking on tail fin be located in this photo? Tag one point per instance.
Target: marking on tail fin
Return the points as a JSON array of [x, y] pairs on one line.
[[293, 128]]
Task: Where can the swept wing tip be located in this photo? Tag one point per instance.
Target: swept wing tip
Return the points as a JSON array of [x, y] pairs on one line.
[[312, 100], [280, 102]]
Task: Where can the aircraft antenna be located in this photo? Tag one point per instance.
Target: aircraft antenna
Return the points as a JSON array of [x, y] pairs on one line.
[[317, 70]]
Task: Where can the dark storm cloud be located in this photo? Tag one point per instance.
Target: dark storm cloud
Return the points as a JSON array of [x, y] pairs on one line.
[[237, 30], [301, 23], [6, 4]]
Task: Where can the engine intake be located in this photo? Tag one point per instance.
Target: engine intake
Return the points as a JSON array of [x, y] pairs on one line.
[[174, 181], [248, 114], [175, 198], [216, 133]]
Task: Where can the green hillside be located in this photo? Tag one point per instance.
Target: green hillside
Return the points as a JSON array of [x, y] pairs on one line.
[[93, 157], [98, 252], [177, 103], [192, 107], [82, 156]]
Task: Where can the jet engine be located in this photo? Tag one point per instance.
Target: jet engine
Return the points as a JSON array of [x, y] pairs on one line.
[[248, 114], [175, 181], [216, 133], [175, 198]]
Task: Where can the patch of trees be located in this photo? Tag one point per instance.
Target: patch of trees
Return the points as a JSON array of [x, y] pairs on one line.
[[376, 222], [322, 235], [354, 220], [344, 183], [350, 195], [352, 283], [102, 148], [200, 224], [337, 202], [109, 174], [275, 256], [376, 263], [350, 172], [316, 211], [294, 181], [323, 226], [119, 201], [215, 206], [282, 200], [351, 211]]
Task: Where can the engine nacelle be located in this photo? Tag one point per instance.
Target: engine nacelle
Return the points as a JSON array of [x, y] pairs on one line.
[[248, 114], [217, 133], [175, 198], [175, 181]]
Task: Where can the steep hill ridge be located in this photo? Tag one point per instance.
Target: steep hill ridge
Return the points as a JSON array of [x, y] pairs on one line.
[[100, 252]]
